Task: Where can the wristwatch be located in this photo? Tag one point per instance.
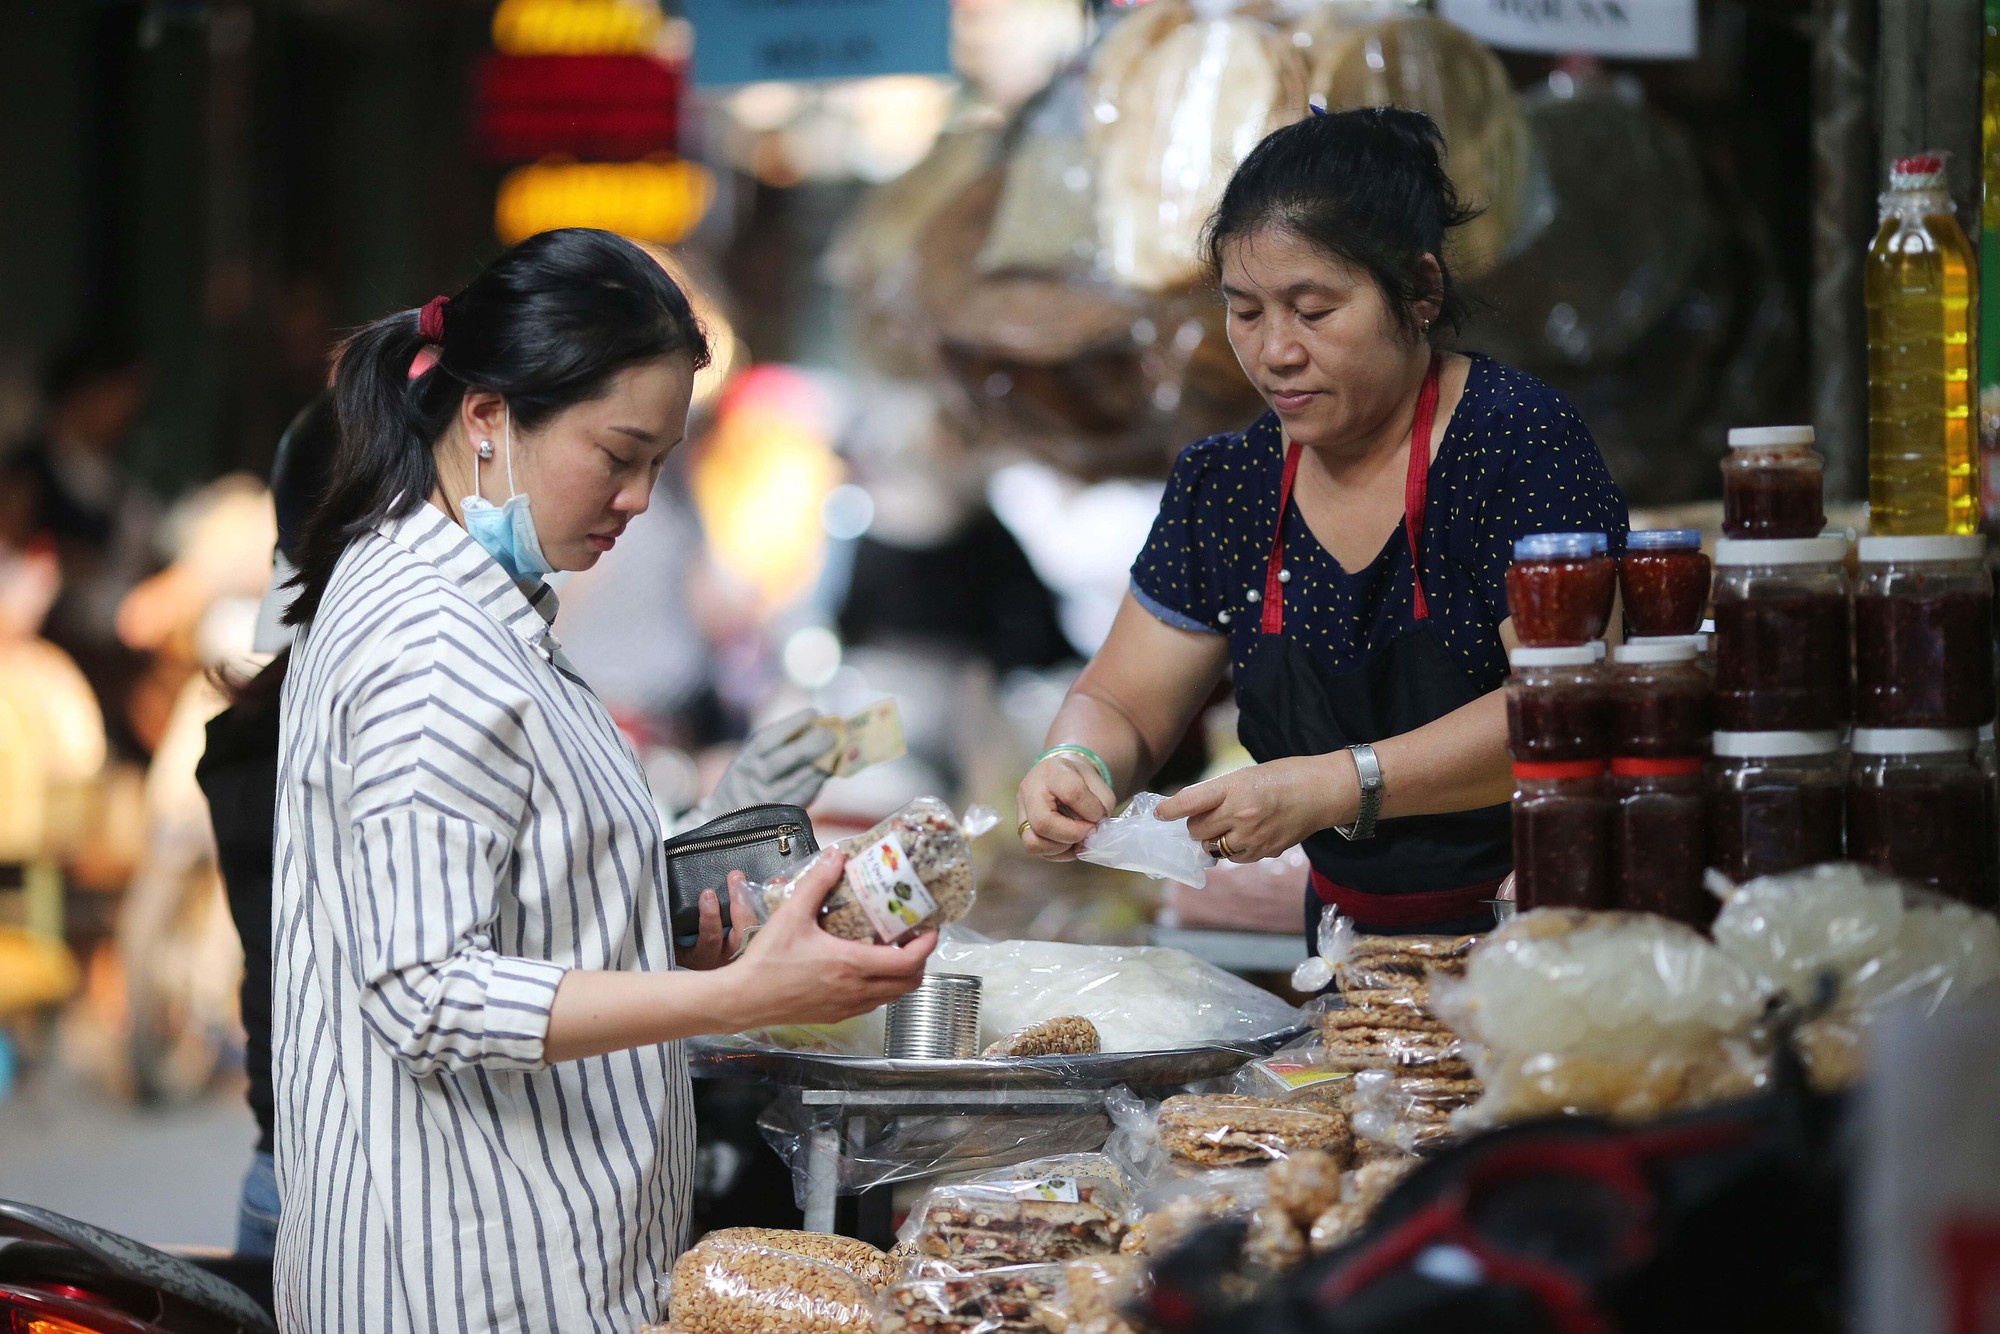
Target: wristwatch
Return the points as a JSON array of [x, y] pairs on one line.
[[1370, 770]]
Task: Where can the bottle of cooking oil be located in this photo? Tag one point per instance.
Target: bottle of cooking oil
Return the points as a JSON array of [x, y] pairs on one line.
[[1922, 448]]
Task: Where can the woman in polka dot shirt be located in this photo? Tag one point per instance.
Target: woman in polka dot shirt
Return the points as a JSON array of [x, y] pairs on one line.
[[1351, 583]]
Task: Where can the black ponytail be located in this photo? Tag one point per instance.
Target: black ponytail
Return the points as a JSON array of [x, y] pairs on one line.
[[546, 326], [1366, 187]]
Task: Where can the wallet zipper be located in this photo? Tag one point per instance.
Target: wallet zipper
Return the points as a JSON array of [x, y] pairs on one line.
[[786, 833]]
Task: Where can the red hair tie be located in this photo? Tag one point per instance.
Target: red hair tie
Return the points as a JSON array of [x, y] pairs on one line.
[[430, 321]]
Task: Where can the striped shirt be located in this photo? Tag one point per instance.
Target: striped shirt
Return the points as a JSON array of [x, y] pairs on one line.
[[459, 822]]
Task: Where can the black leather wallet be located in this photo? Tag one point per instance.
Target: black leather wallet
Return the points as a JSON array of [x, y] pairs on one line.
[[763, 842]]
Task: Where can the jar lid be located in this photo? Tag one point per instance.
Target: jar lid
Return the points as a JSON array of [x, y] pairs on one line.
[[1560, 546], [1750, 745], [1914, 740], [1780, 551], [1665, 648], [1770, 437], [1664, 539], [1573, 655], [1598, 651], [1920, 171], [1876, 550], [1696, 645]]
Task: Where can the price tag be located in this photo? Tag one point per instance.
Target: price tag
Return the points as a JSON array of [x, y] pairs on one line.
[[752, 41], [1628, 29]]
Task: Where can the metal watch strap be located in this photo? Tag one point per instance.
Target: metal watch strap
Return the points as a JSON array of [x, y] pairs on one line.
[[1369, 770]]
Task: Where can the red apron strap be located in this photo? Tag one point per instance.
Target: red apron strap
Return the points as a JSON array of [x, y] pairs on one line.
[[1416, 486], [1416, 489]]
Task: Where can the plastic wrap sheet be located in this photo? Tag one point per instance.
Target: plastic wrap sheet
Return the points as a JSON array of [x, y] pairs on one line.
[[1841, 943], [1619, 1014], [910, 1148], [908, 874], [1038, 1212], [1138, 840], [1141, 998], [726, 1288], [1429, 65], [1188, 107], [1018, 1299]]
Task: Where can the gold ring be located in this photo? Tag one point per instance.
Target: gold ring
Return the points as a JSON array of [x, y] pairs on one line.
[[1022, 832], [1222, 847]]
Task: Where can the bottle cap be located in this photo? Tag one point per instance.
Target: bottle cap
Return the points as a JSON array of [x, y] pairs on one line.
[[1923, 171], [1770, 437], [1914, 740], [1780, 551], [1560, 546], [1755, 745], [1664, 539], [1576, 655], [1675, 649], [1939, 547]]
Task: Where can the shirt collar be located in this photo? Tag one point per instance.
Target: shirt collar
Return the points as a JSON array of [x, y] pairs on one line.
[[527, 609]]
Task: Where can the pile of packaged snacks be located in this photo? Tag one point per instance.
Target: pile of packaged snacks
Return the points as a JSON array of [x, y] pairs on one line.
[[1040, 1212], [1177, 1208], [1015, 1299], [1230, 1130], [1411, 1071]]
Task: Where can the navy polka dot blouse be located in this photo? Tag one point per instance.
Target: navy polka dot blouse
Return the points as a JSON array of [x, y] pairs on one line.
[[1515, 460]]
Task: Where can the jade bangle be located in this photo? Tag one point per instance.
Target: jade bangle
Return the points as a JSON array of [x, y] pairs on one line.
[[1071, 748]]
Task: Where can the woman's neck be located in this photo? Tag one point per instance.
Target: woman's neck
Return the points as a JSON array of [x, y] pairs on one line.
[[1356, 461]]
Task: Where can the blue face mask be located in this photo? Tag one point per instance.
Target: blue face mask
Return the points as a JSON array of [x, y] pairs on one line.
[[507, 532]]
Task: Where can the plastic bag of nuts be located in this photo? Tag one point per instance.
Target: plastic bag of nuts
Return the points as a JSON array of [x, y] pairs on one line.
[[878, 1269], [737, 1288], [1038, 1212], [1224, 1130], [1015, 1299], [908, 874]]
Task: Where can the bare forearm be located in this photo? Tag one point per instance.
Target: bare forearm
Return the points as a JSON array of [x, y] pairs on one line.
[[599, 1012], [1087, 720], [1455, 763]]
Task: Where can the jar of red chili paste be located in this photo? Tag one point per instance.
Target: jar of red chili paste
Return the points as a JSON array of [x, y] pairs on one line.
[[1560, 588], [1772, 483], [1664, 577], [1923, 633]]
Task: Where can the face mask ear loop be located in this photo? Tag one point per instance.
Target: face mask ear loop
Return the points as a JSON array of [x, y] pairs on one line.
[[507, 428]]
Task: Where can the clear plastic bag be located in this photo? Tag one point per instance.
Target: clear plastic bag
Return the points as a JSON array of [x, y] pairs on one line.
[[878, 1269], [725, 1288], [1410, 1115], [1138, 840], [1228, 1130], [908, 874], [911, 1148], [1141, 998], [1618, 1014], [1175, 1209], [1038, 1212], [1017, 1299], [1295, 1074], [1065, 1035]]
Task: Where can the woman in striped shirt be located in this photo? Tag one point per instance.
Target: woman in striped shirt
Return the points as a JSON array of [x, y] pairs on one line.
[[483, 1116]]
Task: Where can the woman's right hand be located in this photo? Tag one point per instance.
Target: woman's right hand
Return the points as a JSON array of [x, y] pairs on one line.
[[1059, 803], [792, 972]]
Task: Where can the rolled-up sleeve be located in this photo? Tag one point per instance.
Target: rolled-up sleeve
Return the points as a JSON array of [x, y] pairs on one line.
[[1170, 579], [442, 792]]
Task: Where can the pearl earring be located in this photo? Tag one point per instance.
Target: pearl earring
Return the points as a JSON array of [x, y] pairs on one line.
[[485, 449]]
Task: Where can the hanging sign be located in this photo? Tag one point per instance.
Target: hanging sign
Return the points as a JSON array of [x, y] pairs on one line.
[[652, 201], [1626, 29], [758, 41]]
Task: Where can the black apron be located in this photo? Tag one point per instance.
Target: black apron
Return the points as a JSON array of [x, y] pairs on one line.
[[1420, 872]]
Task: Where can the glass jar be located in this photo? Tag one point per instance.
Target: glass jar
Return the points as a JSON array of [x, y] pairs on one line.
[[1781, 622], [1562, 835], [1664, 577], [1772, 484], [1556, 705], [1923, 633], [1778, 802], [1560, 588], [1917, 809], [1662, 702], [1660, 839]]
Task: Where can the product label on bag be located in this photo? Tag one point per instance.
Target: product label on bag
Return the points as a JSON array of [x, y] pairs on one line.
[[1298, 1075], [886, 886], [1056, 1190]]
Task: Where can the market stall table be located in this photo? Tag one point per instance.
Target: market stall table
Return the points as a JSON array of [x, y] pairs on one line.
[[864, 1095]]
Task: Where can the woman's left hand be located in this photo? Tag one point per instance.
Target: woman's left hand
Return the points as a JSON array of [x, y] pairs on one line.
[[714, 949], [1267, 809]]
